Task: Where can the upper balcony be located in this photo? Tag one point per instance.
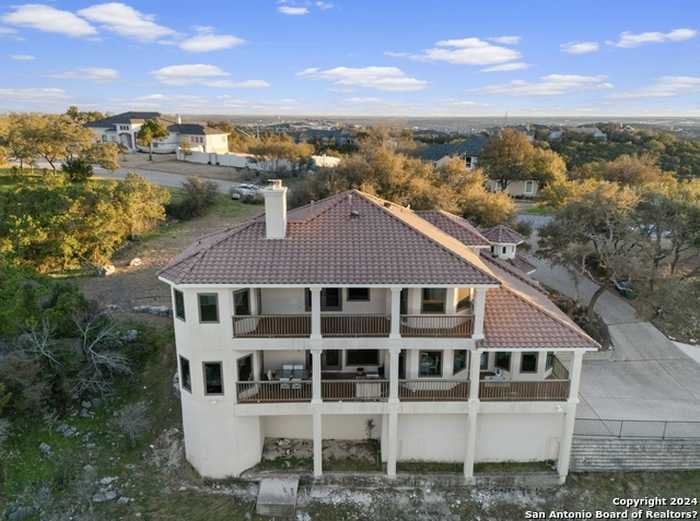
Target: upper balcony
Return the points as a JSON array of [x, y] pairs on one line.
[[356, 313]]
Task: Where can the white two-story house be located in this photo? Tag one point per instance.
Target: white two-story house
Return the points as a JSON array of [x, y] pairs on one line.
[[123, 129], [307, 323]]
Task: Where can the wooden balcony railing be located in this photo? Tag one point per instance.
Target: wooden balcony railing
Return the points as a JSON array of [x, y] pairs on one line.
[[545, 390], [370, 390], [433, 390], [453, 326], [340, 325], [272, 326], [271, 392]]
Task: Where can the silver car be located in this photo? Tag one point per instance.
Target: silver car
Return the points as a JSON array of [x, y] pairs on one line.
[[246, 192]]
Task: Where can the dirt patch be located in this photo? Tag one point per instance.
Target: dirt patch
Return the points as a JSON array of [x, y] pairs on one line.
[[139, 285]]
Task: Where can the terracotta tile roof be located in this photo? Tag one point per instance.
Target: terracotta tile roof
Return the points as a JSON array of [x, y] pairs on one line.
[[456, 226], [326, 244], [503, 234]]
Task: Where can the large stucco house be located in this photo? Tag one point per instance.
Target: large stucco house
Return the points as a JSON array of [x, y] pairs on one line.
[[307, 323], [123, 129]]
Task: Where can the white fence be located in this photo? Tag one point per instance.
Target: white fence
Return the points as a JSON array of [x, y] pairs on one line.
[[249, 161]]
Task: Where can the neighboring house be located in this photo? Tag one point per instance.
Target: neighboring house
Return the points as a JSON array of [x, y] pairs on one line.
[[311, 322], [527, 188], [593, 132], [124, 128], [467, 149], [325, 136]]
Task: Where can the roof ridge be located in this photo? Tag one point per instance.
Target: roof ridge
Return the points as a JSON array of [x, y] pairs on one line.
[[575, 328], [462, 222], [437, 231]]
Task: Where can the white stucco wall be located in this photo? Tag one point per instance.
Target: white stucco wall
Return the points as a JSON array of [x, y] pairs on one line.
[[432, 437], [518, 437], [334, 427], [515, 188]]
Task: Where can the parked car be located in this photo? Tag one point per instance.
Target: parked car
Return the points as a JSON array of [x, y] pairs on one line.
[[246, 192], [625, 289]]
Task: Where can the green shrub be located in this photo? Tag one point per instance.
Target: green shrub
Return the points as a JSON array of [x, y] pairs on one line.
[[198, 196]]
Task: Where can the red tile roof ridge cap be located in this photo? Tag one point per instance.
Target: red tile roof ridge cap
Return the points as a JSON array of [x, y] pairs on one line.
[[458, 249], [525, 298]]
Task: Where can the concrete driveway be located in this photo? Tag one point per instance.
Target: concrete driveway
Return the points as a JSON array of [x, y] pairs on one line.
[[646, 377]]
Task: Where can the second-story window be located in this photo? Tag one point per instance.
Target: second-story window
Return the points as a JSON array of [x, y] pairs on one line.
[[358, 294], [179, 304], [213, 378], [464, 301], [430, 364], [208, 307], [528, 363], [460, 361], [241, 302], [502, 360], [330, 299], [434, 300], [185, 377]]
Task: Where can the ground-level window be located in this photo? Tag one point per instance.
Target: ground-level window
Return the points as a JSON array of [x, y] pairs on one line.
[[484, 361], [208, 307], [529, 187], [245, 368], [502, 361], [185, 377], [528, 363], [241, 302], [434, 300], [358, 294], [362, 357], [179, 304], [213, 378], [460, 361], [430, 364]]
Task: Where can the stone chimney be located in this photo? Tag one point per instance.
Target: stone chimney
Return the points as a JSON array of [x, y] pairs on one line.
[[275, 210]]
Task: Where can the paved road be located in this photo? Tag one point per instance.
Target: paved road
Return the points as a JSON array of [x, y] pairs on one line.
[[647, 376], [160, 178]]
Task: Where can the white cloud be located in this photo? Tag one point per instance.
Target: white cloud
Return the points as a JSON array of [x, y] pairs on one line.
[[33, 95], [628, 39], [125, 21], [665, 87], [22, 57], [505, 40], [203, 74], [380, 78], [7, 30], [293, 11], [468, 51], [360, 99], [100, 74], [324, 6], [49, 19], [550, 85], [210, 42], [512, 66], [579, 47]]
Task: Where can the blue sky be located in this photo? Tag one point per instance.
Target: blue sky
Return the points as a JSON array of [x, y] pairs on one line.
[[354, 57]]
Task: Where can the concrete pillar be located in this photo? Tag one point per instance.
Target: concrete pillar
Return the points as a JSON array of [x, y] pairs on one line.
[[393, 441], [316, 376], [569, 417], [479, 311], [395, 313], [318, 443], [394, 374], [472, 425], [315, 312]]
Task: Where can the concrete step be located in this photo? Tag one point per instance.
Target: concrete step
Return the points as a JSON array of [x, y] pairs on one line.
[[277, 497]]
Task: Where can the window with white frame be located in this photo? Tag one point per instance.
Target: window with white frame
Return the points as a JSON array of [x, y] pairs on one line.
[[185, 377], [213, 378], [528, 362], [430, 364]]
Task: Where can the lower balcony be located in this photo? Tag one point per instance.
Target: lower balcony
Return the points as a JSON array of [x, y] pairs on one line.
[[419, 390]]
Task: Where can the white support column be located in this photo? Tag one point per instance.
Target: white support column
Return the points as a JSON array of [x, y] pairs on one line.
[[569, 417], [479, 311], [318, 443], [316, 376], [393, 441], [470, 453], [394, 353], [395, 313], [315, 312]]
